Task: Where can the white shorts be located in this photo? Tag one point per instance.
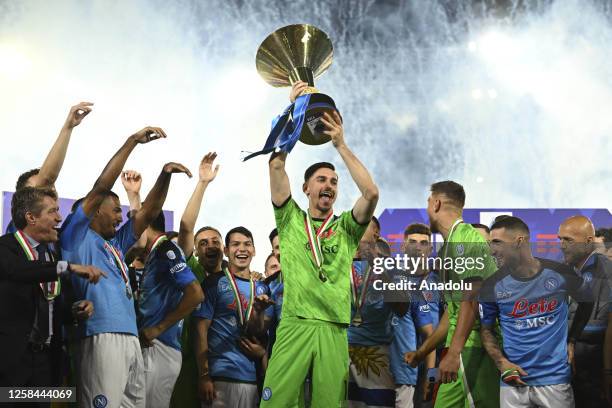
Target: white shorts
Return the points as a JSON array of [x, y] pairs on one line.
[[557, 396], [162, 365], [234, 395], [110, 371], [404, 395]]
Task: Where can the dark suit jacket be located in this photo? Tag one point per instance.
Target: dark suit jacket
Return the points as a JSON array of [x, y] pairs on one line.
[[19, 293]]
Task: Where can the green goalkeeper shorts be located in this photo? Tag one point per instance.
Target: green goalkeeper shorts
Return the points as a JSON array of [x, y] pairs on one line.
[[302, 344]]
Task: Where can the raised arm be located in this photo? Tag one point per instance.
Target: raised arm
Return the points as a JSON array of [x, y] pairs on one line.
[[112, 170], [279, 181], [50, 169], [192, 210], [366, 204], [156, 197]]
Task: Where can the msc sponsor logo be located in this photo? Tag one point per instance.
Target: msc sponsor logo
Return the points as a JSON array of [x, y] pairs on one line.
[[535, 322], [326, 249]]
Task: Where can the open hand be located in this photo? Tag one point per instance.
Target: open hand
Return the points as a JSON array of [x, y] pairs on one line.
[[207, 174], [333, 128]]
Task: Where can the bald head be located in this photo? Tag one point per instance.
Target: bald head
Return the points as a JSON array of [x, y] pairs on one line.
[[577, 236]]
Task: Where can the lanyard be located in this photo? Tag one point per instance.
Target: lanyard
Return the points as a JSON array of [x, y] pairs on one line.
[[232, 281], [51, 290], [119, 263], [158, 241], [314, 239], [446, 245], [358, 301]]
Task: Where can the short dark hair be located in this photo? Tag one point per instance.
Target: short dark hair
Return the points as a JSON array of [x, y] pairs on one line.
[[481, 226], [453, 191], [238, 230], [417, 228], [76, 204], [171, 235], [159, 223], [273, 234], [606, 233], [312, 169], [28, 199], [22, 180], [375, 221], [510, 223], [207, 228]]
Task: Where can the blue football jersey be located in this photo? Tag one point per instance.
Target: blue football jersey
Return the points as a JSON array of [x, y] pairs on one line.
[[111, 296], [375, 313], [532, 314], [165, 276], [225, 359], [404, 334]]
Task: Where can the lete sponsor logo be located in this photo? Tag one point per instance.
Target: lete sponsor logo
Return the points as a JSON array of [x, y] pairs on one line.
[[523, 307]]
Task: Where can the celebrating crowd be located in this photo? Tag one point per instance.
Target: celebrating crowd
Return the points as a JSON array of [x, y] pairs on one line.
[[133, 315]]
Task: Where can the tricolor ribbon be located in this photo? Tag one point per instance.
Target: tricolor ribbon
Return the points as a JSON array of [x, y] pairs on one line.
[[359, 296], [51, 290], [314, 240], [119, 263], [241, 315], [158, 241]]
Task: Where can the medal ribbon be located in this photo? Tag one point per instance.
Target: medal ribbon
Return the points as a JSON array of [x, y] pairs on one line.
[[119, 262], [52, 288], [358, 301], [232, 281], [314, 237], [158, 241]]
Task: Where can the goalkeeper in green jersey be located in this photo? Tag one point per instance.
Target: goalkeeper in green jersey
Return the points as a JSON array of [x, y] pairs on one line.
[[317, 250], [468, 375]]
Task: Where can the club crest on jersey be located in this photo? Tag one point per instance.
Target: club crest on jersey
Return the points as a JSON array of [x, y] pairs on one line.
[[171, 255], [551, 284], [100, 401], [588, 277], [260, 290], [266, 394], [460, 249]]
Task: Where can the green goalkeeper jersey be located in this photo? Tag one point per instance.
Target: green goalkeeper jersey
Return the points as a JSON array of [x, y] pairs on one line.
[[305, 294], [472, 261]]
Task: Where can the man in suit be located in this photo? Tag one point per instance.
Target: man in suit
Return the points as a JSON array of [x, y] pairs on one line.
[[32, 304]]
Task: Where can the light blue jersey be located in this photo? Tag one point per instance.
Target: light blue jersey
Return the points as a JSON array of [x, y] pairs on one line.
[[111, 296], [225, 359], [532, 313]]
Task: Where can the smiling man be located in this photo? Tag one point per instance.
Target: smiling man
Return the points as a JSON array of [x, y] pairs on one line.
[[231, 315], [109, 360], [317, 251]]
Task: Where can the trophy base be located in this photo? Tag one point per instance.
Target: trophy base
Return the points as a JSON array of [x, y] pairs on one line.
[[312, 131]]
